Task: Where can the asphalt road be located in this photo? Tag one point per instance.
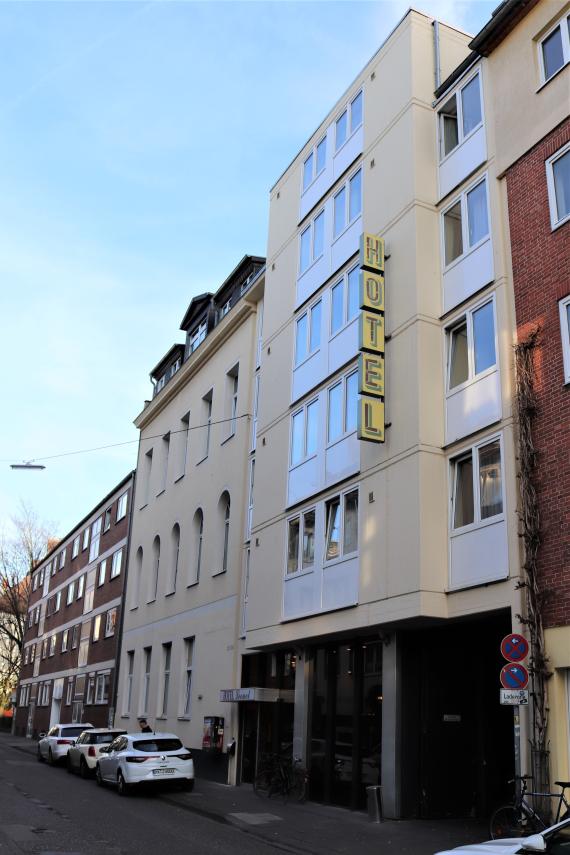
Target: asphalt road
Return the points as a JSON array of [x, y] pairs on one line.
[[45, 810]]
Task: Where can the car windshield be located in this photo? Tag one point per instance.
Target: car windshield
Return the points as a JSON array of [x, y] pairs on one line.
[[150, 745], [72, 731]]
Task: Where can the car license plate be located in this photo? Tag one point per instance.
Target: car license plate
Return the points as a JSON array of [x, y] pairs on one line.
[[163, 771]]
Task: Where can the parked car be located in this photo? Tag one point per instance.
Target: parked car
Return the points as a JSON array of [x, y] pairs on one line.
[[140, 758], [82, 757], [552, 841], [55, 744]]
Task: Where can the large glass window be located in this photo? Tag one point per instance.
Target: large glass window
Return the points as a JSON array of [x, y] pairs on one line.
[[308, 332], [477, 485], [332, 509], [471, 345], [301, 541], [347, 203], [477, 213], [341, 525], [312, 242], [304, 432], [460, 115], [465, 222], [342, 407], [344, 300], [555, 49], [294, 527], [471, 105]]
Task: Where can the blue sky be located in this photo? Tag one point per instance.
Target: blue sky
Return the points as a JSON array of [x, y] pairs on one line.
[[138, 143]]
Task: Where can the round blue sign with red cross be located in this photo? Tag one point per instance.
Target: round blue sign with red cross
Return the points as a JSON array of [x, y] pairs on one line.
[[514, 647], [514, 676]]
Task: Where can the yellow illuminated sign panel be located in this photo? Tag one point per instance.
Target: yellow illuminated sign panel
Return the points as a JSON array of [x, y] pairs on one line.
[[371, 340], [370, 419], [371, 332], [372, 253], [371, 375]]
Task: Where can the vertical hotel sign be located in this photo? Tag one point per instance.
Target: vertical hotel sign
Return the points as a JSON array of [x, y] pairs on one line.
[[371, 340]]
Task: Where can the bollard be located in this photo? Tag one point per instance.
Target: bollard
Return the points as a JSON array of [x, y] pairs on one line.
[[374, 797]]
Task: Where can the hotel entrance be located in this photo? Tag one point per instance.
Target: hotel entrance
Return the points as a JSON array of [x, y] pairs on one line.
[[345, 722]]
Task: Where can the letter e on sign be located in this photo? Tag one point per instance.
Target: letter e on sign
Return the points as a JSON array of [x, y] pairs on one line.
[[371, 375]]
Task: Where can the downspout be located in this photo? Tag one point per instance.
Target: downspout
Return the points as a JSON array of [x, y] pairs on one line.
[[124, 594], [436, 56]]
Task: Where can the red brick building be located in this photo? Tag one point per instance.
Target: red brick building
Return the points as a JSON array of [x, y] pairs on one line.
[[72, 641]]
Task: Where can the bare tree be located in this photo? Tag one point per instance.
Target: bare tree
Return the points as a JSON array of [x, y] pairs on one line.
[[20, 552]]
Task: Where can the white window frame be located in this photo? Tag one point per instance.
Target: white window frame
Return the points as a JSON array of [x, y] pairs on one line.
[[312, 257], [256, 385], [80, 586], [314, 173], [57, 601], [477, 523], [160, 384], [129, 682], [461, 137], [62, 559], [346, 187], [116, 563], [350, 130], [70, 593], [75, 547], [111, 622], [345, 319], [102, 681], [145, 683], [467, 318], [303, 409], [565, 47], [462, 197], [343, 556], [165, 681], [122, 506], [65, 641], [300, 571], [175, 367], [102, 573], [339, 380], [555, 223], [52, 644], [198, 336], [565, 335], [95, 539], [308, 314], [186, 706], [85, 541], [250, 498], [96, 628]]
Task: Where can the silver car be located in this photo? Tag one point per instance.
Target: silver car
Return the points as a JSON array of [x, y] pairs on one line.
[[55, 744], [82, 757], [552, 841], [145, 758]]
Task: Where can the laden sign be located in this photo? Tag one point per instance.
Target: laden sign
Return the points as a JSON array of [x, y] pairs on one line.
[[371, 340]]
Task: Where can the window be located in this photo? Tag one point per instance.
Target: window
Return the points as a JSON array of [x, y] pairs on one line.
[[341, 519], [53, 567], [166, 656], [257, 384], [147, 476], [345, 300], [75, 548], [160, 383], [116, 562], [308, 332], [460, 115], [301, 542], [74, 636], [136, 587], [110, 622], [35, 582], [101, 573], [147, 653], [155, 569], [95, 538], [315, 163], [207, 410], [226, 538], [312, 242], [189, 645], [96, 627], [57, 601], [198, 529], [69, 695], [85, 543], [184, 443], [554, 49], [351, 118], [129, 682], [102, 689], [70, 593], [198, 336], [175, 367], [122, 506], [564, 307], [558, 183], [165, 456], [32, 653], [88, 601], [225, 309], [232, 380], [26, 655], [64, 640], [80, 586], [471, 345], [44, 648], [250, 496], [477, 485], [347, 203], [37, 615], [62, 559], [175, 546], [304, 432], [342, 407], [107, 523], [466, 222], [52, 644]]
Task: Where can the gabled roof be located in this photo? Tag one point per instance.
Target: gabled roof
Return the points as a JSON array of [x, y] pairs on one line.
[[175, 351], [196, 305], [246, 261]]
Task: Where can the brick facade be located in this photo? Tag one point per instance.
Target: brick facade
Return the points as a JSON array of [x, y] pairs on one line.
[[541, 277]]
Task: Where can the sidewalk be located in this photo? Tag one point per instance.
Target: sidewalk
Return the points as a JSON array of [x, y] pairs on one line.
[[311, 828]]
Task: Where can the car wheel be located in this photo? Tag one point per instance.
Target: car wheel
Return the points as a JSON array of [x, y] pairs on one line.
[[123, 788], [40, 756], [187, 785], [51, 759], [83, 768], [99, 777]]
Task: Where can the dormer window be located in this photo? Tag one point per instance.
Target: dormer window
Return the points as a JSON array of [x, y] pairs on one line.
[[198, 336], [225, 309], [174, 367], [160, 383]]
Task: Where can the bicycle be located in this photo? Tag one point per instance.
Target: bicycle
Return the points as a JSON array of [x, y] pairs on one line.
[[520, 818], [281, 776]]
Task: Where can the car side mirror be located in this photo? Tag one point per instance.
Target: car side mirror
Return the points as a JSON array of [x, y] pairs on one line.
[[535, 843], [104, 750]]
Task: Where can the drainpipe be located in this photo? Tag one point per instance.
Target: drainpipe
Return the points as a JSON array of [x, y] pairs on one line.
[[436, 57], [124, 595]]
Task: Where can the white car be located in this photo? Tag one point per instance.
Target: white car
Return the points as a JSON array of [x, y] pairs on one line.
[[54, 746], [553, 841], [82, 757], [144, 758]]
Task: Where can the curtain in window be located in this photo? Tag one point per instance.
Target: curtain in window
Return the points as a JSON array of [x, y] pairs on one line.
[[333, 529], [452, 233], [463, 498], [490, 487], [308, 539], [471, 104], [477, 213], [351, 522]]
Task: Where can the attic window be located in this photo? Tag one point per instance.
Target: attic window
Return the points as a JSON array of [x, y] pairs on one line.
[[198, 336], [174, 367], [160, 383]]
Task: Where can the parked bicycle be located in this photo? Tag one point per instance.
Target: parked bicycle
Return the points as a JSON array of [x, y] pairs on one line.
[[520, 818], [281, 776]]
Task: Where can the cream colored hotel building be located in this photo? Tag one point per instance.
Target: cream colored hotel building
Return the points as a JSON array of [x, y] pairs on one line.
[[348, 602]]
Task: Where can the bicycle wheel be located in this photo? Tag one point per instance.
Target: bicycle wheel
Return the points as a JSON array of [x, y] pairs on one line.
[[298, 786], [507, 821]]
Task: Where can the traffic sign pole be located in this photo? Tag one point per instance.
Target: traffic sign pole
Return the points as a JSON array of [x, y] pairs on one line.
[[514, 648]]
